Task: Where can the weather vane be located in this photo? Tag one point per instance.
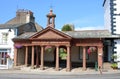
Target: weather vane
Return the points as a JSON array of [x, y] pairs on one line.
[[51, 6]]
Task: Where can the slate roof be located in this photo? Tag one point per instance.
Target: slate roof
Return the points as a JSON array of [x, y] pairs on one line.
[[91, 34], [7, 26], [11, 26], [77, 34], [38, 27], [26, 35]]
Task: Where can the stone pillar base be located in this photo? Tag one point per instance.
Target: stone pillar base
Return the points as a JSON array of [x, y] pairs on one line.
[[26, 65], [68, 69], [57, 69], [37, 66], [84, 69], [41, 68], [32, 67]]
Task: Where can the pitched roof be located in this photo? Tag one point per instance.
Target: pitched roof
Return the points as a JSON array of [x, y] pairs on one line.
[[38, 27], [76, 34], [28, 35], [11, 26], [49, 30], [7, 26], [25, 35], [91, 34]]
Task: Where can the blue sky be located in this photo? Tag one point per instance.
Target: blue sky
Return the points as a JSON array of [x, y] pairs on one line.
[[84, 14]]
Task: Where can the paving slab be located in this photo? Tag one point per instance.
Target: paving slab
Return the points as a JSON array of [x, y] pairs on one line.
[[51, 71]]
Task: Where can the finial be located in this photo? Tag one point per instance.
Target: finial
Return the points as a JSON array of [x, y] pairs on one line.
[[51, 10]]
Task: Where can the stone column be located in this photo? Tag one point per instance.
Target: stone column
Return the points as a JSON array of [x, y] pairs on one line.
[[32, 63], [100, 56], [53, 22], [84, 58], [68, 59], [26, 56], [37, 63], [42, 58], [48, 21], [15, 56], [57, 58]]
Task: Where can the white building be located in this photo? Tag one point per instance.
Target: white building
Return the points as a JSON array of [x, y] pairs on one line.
[[6, 47], [112, 22], [23, 22]]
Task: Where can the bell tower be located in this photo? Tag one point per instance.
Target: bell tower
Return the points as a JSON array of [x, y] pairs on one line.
[[51, 19]]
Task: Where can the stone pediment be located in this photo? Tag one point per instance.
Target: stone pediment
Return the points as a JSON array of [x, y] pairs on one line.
[[50, 33]]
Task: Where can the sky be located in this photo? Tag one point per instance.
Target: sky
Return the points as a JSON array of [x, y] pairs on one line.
[[83, 14]]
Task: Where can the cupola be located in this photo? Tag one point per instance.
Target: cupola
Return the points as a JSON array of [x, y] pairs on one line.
[[51, 19]]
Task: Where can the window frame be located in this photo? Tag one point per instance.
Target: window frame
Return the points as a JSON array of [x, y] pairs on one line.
[[4, 39]]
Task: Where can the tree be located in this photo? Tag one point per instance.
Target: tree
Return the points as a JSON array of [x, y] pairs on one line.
[[67, 27]]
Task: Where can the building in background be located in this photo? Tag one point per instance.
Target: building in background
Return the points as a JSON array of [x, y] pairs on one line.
[[23, 22], [112, 23]]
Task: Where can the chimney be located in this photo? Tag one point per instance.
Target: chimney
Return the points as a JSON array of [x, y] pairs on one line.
[[25, 16]]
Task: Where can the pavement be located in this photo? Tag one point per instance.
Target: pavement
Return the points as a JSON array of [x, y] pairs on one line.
[[51, 71]]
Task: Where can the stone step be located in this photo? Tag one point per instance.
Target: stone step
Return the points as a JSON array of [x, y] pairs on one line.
[[3, 67]]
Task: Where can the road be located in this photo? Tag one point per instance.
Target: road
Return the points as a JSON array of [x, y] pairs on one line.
[[47, 76]]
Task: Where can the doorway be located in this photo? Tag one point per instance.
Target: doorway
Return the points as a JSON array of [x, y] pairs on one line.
[[3, 56]]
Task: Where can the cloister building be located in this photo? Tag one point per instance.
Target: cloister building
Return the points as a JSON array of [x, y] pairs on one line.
[[30, 47]]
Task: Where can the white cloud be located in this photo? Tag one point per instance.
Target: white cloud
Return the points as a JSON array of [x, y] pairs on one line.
[[90, 28]]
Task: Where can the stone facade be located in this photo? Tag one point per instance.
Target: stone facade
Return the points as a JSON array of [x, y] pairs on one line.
[[34, 47]]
